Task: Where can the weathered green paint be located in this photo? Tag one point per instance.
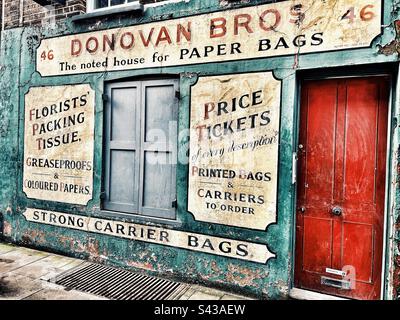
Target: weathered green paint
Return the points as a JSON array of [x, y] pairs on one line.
[[272, 280]]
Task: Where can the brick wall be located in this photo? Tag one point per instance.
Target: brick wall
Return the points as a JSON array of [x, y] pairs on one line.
[[11, 12], [35, 14]]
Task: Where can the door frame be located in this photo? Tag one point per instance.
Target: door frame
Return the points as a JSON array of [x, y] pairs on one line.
[[387, 69]]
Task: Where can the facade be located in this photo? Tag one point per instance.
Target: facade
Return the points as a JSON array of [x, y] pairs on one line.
[[247, 145]]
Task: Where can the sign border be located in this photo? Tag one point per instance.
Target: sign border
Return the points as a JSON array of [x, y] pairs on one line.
[[279, 148], [273, 257], [201, 63], [23, 142]]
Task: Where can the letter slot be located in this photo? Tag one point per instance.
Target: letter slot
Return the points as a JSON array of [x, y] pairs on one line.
[[336, 283]]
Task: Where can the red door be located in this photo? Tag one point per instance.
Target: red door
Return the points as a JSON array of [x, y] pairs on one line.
[[341, 186]]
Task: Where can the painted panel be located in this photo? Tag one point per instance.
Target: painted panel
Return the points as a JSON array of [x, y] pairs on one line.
[[234, 141], [277, 29], [123, 114], [160, 112], [358, 250], [122, 182], [317, 245], [58, 143], [361, 135], [320, 143], [158, 181], [230, 248]]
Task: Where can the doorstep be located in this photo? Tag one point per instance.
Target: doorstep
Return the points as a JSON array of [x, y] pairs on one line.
[[300, 294]]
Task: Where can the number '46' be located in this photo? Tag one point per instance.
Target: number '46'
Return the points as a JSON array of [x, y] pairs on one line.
[[365, 14], [47, 55]]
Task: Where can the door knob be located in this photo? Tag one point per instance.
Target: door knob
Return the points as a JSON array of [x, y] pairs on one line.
[[337, 211], [302, 209]]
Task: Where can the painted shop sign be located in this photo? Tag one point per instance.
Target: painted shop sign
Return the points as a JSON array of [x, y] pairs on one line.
[[230, 248], [58, 143], [276, 29], [234, 140]]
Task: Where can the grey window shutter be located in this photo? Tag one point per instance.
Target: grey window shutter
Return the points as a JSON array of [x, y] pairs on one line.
[[157, 192], [141, 148], [122, 147]]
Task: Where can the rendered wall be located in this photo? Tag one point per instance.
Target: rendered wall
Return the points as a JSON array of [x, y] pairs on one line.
[[271, 280]]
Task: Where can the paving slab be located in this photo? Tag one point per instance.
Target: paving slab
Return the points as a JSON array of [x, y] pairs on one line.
[[16, 287], [188, 294], [51, 264], [57, 294], [58, 271], [198, 295], [209, 291], [32, 252], [4, 248], [233, 297], [18, 258]]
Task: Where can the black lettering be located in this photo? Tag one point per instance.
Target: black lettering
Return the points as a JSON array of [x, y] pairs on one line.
[[193, 241], [242, 250], [207, 244], [225, 247], [264, 45], [265, 118], [299, 41], [281, 43], [316, 39], [36, 215]]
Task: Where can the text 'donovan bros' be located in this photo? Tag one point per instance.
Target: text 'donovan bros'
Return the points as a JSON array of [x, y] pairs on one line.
[[269, 30]]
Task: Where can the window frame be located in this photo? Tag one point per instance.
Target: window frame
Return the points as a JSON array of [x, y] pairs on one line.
[[90, 5], [139, 210]]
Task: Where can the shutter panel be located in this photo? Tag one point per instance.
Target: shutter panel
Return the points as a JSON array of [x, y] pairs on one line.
[[122, 147], [158, 148]]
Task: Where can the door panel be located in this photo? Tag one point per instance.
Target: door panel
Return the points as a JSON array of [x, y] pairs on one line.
[[320, 145], [317, 244], [361, 135], [341, 185], [360, 257]]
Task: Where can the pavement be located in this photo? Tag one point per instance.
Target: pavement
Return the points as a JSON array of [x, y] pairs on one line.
[[25, 274]]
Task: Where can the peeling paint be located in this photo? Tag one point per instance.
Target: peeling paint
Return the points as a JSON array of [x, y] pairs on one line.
[[394, 46], [243, 276], [7, 229], [272, 280]]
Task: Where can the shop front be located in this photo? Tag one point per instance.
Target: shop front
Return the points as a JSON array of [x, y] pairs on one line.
[[249, 147]]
